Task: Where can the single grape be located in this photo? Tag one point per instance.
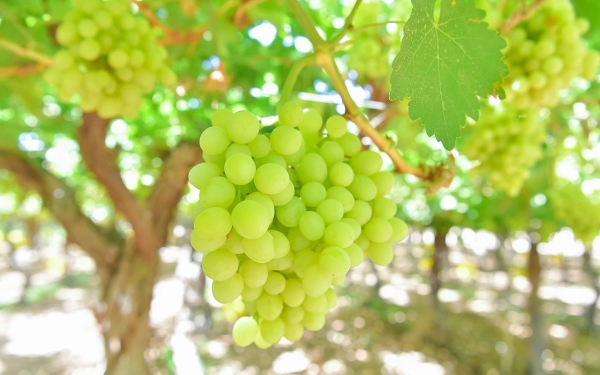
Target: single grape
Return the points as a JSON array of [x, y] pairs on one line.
[[269, 306], [336, 126], [289, 214], [380, 253], [220, 264], [221, 117], [260, 146], [293, 294], [213, 223], [335, 260], [366, 163], [217, 192], [226, 291], [214, 140], [272, 330], [242, 127], [261, 249], [316, 304], [271, 178], [341, 174], [275, 283], [203, 172], [316, 280], [311, 225], [330, 210], [312, 193], [254, 274], [312, 168], [244, 331], [250, 219], [291, 114]]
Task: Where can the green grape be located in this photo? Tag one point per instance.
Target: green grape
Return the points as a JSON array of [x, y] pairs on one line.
[[242, 127], [244, 331], [234, 243], [291, 114], [264, 200], [311, 225], [275, 283], [272, 330], [254, 274], [293, 314], [297, 239], [341, 195], [315, 304], [380, 253], [271, 178], [259, 249], [384, 182], [339, 234], [272, 157], [220, 264], [289, 214], [296, 157], [214, 141], [221, 117], [366, 163], [335, 261], [293, 294], [331, 152], [378, 230], [204, 245], [281, 244], [251, 294], [312, 193], [302, 260], [384, 207], [316, 280], [350, 144], [341, 174], [361, 212], [217, 192], [330, 210], [293, 331], [89, 49], [269, 306], [285, 196], [399, 230], [203, 172], [212, 223], [311, 122], [260, 146], [240, 169], [336, 126], [313, 321], [355, 254], [312, 168], [331, 298], [236, 148], [226, 291], [282, 264], [250, 219], [261, 343], [363, 242], [356, 228], [286, 140], [363, 188]]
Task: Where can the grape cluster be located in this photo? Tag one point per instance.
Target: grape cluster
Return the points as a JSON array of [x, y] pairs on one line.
[[545, 53], [283, 216], [507, 143], [578, 211], [110, 58]]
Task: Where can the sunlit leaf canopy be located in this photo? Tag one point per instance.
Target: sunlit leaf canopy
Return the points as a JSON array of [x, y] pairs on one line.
[[239, 57]]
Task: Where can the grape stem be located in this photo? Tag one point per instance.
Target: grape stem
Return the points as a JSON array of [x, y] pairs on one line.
[[347, 24], [20, 70], [24, 52], [518, 17], [292, 77], [438, 176]]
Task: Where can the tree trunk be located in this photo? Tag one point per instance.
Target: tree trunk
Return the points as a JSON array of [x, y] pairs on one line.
[[537, 342], [439, 254], [126, 303], [591, 271]]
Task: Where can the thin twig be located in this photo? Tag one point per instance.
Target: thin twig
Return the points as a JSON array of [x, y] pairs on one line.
[[347, 24], [243, 8], [292, 77], [18, 71], [24, 52], [355, 29], [518, 17]]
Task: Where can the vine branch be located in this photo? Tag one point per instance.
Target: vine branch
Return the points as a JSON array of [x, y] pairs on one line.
[[20, 70], [24, 52], [292, 77], [520, 16]]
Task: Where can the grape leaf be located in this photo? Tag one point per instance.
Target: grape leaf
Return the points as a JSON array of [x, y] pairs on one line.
[[442, 67]]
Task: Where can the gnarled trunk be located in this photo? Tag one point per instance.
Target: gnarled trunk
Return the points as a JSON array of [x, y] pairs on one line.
[[126, 303]]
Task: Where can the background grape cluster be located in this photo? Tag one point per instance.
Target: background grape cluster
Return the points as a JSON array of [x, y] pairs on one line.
[[580, 211], [110, 58], [507, 142], [283, 216], [545, 53]]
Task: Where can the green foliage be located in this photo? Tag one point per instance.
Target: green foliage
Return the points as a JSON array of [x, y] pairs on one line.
[[443, 66]]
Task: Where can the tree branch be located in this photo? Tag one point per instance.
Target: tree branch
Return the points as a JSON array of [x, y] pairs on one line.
[[170, 185], [24, 52], [10, 71], [60, 200], [102, 162]]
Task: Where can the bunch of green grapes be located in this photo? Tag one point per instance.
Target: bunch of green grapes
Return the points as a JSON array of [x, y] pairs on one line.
[[370, 52], [283, 216], [578, 211], [545, 53], [110, 58], [507, 143]]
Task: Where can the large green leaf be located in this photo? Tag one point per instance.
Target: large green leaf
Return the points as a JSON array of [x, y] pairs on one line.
[[443, 67]]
